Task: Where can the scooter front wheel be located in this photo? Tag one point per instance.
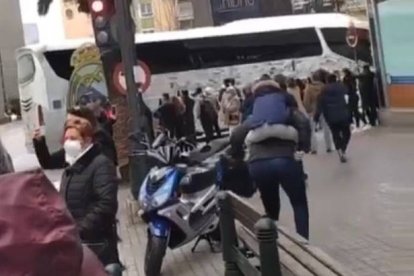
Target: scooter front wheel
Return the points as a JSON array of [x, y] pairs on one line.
[[154, 255]]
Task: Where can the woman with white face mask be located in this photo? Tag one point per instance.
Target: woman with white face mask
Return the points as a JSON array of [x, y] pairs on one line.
[[89, 186]]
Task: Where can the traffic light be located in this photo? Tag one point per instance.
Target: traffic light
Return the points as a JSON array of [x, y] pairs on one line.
[[103, 21]]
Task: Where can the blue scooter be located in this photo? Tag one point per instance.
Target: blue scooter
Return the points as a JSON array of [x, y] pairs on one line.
[[178, 198]]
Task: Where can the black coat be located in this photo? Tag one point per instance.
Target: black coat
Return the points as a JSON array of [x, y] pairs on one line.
[[367, 89], [90, 188], [56, 160], [189, 116], [332, 104]]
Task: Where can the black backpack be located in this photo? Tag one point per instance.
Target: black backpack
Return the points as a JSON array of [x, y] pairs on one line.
[[233, 175]]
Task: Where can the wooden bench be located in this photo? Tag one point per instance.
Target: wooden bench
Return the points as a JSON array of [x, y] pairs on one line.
[[279, 252]]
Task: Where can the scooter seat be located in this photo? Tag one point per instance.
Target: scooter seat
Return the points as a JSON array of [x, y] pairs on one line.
[[215, 146], [198, 179]]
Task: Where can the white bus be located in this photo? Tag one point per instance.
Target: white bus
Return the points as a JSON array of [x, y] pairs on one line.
[[294, 45]]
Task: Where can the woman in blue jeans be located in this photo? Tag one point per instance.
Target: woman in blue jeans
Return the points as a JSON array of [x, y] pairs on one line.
[[269, 174], [272, 163]]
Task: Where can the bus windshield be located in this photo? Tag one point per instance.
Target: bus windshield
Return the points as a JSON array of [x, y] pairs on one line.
[[336, 40]]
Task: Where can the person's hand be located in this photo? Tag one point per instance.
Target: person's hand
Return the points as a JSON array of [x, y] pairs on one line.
[[37, 135], [299, 155]]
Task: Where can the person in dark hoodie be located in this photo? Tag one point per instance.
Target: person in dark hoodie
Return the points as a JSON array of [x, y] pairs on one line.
[[168, 116], [273, 136], [189, 121], [369, 95], [349, 81], [332, 105], [56, 160]]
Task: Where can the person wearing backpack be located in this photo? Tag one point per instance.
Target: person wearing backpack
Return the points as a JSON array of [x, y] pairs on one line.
[[206, 111], [274, 133]]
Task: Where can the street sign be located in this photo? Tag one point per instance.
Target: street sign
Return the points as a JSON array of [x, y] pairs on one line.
[[142, 76], [352, 36]]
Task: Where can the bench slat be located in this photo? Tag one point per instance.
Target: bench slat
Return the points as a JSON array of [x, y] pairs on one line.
[[309, 261], [244, 265], [324, 258]]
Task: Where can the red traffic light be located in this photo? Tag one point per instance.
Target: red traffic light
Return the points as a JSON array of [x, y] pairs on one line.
[[97, 6], [101, 7]]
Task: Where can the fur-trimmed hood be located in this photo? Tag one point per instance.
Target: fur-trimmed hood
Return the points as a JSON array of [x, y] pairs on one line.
[[265, 86]]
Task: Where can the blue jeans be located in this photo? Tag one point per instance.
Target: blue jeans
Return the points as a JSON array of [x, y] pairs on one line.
[[269, 174]]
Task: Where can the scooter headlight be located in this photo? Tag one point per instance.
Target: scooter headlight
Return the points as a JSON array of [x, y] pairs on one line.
[[142, 193], [161, 196]]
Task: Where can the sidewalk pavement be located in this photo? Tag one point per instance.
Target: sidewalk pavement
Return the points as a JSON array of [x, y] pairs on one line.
[[179, 262], [361, 212]]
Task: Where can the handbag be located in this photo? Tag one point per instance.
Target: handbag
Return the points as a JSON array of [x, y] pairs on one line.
[[233, 175]]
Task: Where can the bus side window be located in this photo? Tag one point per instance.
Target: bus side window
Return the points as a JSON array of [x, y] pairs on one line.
[[257, 47], [167, 56]]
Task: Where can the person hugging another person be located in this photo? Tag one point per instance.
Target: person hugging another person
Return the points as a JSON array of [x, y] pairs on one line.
[[274, 133]]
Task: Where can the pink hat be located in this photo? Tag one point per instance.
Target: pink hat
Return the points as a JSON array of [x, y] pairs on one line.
[[38, 236]]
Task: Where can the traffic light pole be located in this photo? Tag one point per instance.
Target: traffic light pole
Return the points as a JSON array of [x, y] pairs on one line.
[[126, 38], [138, 139]]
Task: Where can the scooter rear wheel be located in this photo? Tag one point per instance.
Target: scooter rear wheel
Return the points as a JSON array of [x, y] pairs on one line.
[[154, 255]]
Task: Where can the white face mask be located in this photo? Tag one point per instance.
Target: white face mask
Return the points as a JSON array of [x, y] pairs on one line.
[[73, 149]]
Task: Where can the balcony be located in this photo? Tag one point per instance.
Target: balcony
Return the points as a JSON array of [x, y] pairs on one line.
[[185, 11]]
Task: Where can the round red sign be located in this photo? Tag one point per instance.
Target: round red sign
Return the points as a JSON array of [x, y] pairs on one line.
[[142, 76], [352, 36]]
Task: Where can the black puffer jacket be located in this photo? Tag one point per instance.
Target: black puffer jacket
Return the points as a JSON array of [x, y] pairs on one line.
[[89, 188], [332, 104], [56, 160]]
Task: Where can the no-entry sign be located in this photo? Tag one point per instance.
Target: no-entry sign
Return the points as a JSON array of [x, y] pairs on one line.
[[352, 35], [142, 76]]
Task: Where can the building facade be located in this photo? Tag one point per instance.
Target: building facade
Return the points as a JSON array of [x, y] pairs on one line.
[[75, 23], [12, 31]]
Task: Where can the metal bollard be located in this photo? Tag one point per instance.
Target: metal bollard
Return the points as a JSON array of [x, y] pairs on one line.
[[228, 235], [266, 234]]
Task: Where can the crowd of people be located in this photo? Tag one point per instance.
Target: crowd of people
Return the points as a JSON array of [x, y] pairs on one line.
[[275, 118], [280, 118]]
